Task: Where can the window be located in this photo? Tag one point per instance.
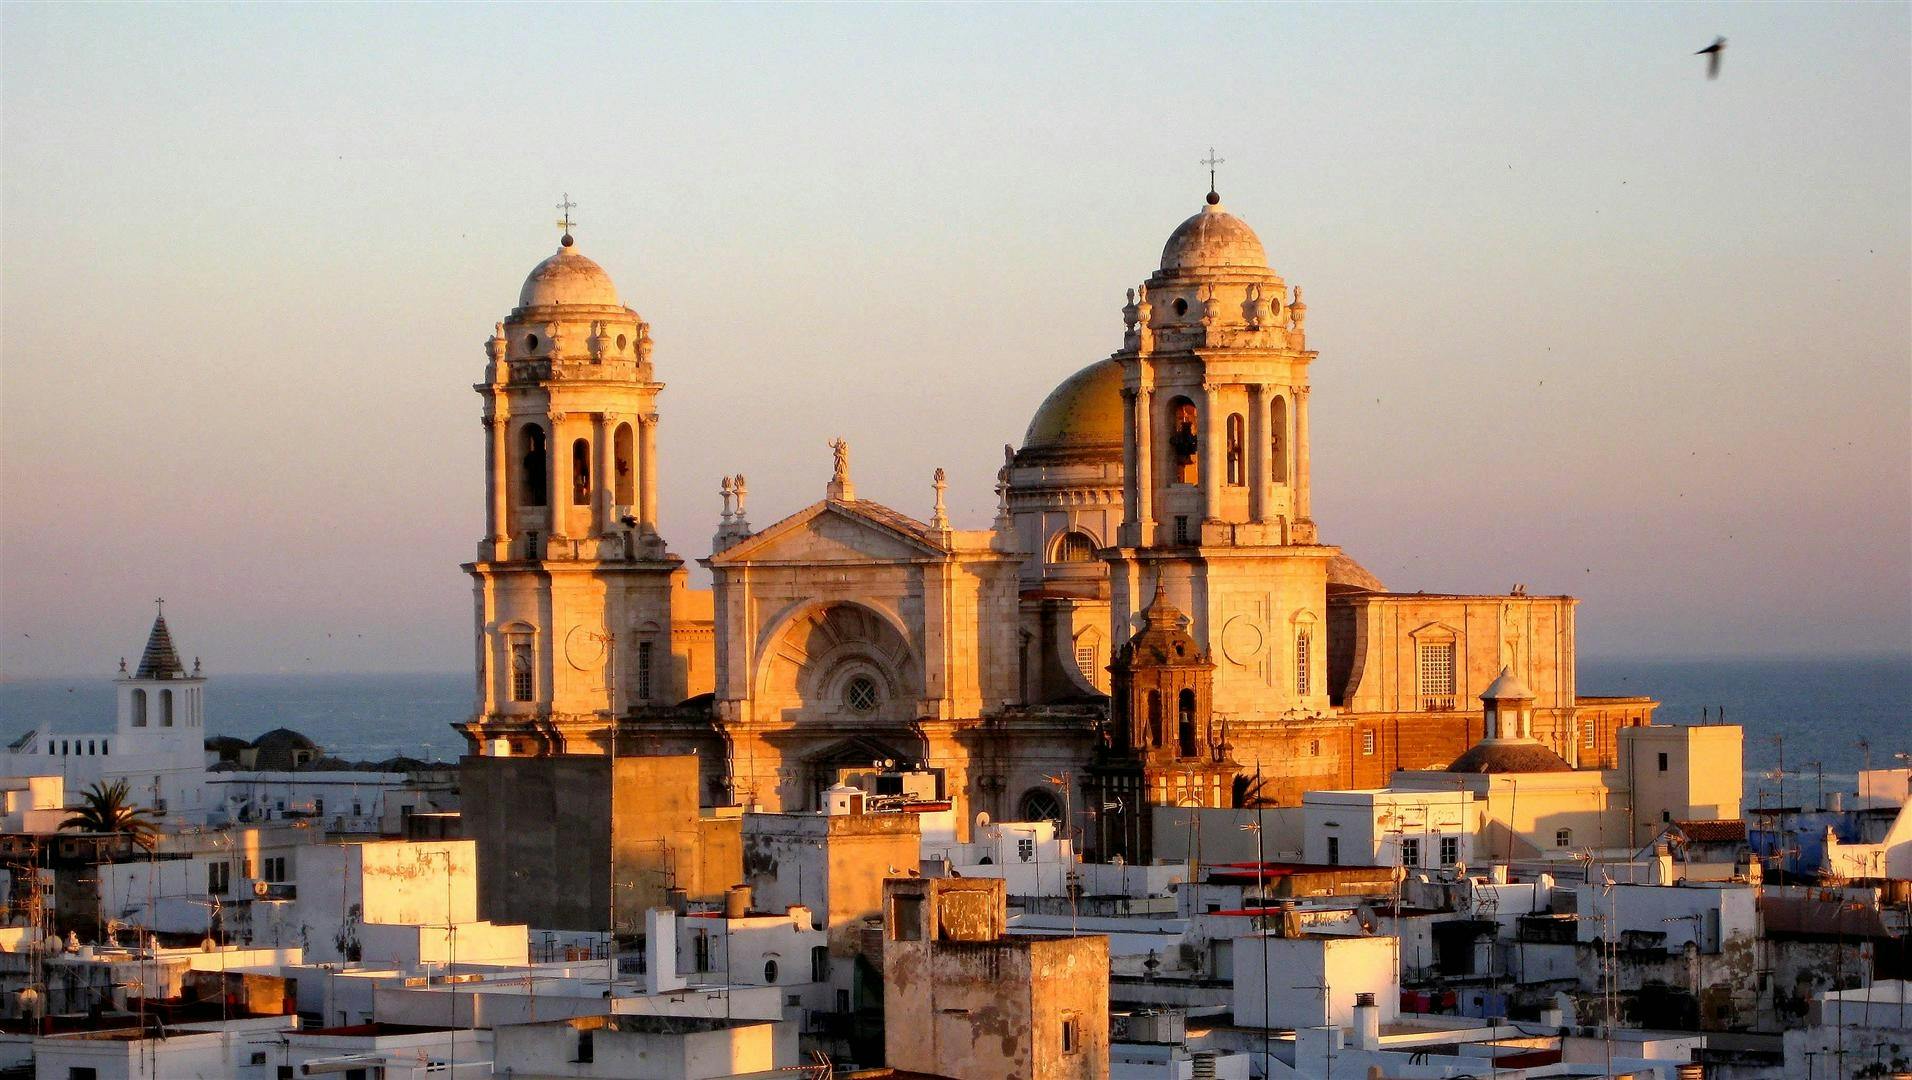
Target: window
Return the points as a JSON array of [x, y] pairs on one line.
[[522, 685], [533, 477], [587, 1047], [1087, 659], [860, 694], [820, 963], [1334, 851], [1278, 437], [1025, 848], [1563, 837], [1450, 850], [1155, 718], [1074, 547], [644, 649], [581, 472], [1185, 722], [105, 748], [1237, 471], [165, 708], [219, 878], [533, 544], [80, 1072], [275, 869], [625, 481], [1410, 851], [1071, 1035], [1304, 663], [1182, 441], [139, 708], [1437, 676], [769, 972], [1314, 747], [1181, 529], [700, 951], [1367, 744], [1662, 762], [906, 918], [1590, 735]]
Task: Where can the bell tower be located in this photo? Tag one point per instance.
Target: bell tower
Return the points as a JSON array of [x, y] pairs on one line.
[[572, 583], [1215, 368]]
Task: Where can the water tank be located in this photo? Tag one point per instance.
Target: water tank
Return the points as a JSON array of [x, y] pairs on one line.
[[737, 902]]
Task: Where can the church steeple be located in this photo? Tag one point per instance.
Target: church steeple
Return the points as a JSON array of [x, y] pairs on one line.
[[160, 660]]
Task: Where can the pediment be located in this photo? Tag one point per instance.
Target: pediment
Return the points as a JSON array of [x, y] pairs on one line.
[[834, 532]]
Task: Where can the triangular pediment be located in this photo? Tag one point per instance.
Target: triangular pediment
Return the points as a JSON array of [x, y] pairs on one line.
[[833, 531]]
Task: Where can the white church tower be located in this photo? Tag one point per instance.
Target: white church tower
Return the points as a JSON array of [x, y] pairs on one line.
[[1215, 465], [572, 583]]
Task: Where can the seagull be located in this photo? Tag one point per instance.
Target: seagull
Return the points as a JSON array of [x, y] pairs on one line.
[[1712, 53]]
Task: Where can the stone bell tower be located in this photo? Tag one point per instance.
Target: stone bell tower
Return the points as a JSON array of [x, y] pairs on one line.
[[1215, 463], [572, 583]]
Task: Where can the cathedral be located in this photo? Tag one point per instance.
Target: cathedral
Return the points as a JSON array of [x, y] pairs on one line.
[[1154, 617]]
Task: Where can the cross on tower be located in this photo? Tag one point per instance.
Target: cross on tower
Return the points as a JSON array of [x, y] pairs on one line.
[[565, 222], [1211, 161], [160, 603]]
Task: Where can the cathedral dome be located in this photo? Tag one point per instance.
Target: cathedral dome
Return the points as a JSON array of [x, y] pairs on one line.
[[1212, 240], [1084, 411], [568, 278], [1509, 757]]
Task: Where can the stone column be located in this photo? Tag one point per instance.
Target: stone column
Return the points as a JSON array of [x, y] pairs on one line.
[[1211, 461], [557, 497], [1144, 466], [1259, 453], [1302, 502], [647, 479], [603, 483], [498, 471], [1131, 499]]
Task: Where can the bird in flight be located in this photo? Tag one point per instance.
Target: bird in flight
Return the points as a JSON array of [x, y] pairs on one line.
[[1712, 53]]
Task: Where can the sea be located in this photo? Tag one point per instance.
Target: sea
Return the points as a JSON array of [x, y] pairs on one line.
[[1821, 718]]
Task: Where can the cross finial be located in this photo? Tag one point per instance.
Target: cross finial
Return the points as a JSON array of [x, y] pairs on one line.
[[160, 603], [1211, 161], [565, 222]]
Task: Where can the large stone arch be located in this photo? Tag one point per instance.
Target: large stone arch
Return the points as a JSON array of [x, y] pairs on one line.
[[810, 660]]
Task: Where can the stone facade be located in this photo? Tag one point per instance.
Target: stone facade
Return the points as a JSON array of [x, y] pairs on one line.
[[852, 633]]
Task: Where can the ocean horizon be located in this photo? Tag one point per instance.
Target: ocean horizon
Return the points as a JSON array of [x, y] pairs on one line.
[[1820, 715]]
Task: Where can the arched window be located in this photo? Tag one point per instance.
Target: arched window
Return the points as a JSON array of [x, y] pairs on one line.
[[1039, 804], [621, 447], [1155, 718], [1182, 440], [1185, 721], [1074, 547], [534, 475], [139, 708], [1304, 661], [1237, 461], [581, 472], [1278, 437], [165, 708]]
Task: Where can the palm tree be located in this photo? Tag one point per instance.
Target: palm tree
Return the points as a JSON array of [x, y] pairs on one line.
[[105, 808]]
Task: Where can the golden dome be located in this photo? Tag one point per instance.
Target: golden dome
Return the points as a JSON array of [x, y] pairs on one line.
[[1085, 411], [1212, 240], [568, 278]]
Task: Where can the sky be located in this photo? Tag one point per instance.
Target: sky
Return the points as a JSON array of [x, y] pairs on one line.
[[1587, 321]]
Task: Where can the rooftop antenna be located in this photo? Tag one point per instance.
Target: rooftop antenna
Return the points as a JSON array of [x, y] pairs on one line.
[[1211, 161], [565, 222]]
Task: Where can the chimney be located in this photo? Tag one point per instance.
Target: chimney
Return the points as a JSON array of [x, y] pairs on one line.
[[737, 902], [660, 946], [1367, 1023]]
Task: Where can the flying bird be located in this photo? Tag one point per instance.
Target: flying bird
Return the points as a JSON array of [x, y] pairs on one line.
[[1712, 53]]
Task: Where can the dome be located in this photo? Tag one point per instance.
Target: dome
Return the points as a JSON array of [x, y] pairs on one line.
[[1212, 240], [1509, 757], [1346, 575], [568, 278], [1085, 411]]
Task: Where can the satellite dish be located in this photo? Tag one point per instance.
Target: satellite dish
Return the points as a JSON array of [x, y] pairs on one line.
[[982, 819]]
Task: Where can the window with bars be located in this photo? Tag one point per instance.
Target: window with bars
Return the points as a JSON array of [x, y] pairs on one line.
[[1450, 850], [1437, 677], [523, 677], [1074, 547], [1591, 735], [644, 649], [1304, 663], [1410, 851], [1237, 471], [1367, 743], [1086, 657]]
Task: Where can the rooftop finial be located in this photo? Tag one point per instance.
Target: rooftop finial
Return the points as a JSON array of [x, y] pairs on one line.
[[160, 604], [565, 222], [1211, 161]]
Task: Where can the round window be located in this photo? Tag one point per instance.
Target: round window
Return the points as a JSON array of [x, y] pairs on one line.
[[769, 971], [860, 694], [531, 342], [1181, 306], [620, 343]]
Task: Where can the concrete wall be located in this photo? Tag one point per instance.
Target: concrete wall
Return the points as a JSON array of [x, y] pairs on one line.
[[554, 832], [833, 865], [1283, 988]]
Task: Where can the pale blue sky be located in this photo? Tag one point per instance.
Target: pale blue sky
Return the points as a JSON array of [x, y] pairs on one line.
[[1587, 321]]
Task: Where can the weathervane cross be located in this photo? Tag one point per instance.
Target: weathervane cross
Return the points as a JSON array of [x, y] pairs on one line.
[[567, 206], [1211, 161]]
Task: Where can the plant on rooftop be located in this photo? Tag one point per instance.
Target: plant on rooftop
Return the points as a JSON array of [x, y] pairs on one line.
[[105, 808]]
